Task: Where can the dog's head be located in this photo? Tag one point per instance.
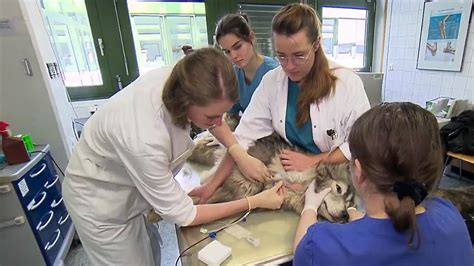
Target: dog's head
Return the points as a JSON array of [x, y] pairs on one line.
[[338, 178]]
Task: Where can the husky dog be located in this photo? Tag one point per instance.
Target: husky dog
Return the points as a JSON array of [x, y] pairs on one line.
[[208, 154], [461, 197], [337, 177], [204, 154], [267, 149]]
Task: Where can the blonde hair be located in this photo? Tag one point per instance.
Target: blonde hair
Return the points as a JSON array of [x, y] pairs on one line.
[[320, 81], [200, 78]]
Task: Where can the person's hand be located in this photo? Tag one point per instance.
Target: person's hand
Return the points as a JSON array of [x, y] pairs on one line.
[[354, 214], [271, 198], [295, 161], [207, 136], [250, 166], [203, 192], [313, 200], [211, 141]]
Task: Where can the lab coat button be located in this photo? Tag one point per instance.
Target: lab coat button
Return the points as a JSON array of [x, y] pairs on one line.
[[281, 121]]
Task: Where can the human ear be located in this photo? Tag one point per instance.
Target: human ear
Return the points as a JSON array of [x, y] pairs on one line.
[[357, 171], [252, 37], [316, 45]]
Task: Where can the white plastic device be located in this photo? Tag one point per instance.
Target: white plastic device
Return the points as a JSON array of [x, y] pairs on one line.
[[255, 242], [237, 231], [214, 253]]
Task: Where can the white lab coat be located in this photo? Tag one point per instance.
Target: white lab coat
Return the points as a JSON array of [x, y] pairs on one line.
[[266, 112], [123, 166]]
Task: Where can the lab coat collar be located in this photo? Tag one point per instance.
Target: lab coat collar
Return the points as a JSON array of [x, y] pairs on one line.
[[281, 75]]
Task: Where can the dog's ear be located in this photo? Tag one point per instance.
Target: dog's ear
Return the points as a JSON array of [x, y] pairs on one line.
[[331, 171], [344, 172], [322, 173], [347, 167]]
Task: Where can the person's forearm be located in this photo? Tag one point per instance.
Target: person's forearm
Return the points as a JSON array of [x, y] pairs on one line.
[[210, 212], [308, 217], [335, 157], [224, 135], [223, 171]]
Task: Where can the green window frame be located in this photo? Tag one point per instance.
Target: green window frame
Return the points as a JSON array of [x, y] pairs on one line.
[[368, 5], [118, 64], [215, 9], [110, 22]]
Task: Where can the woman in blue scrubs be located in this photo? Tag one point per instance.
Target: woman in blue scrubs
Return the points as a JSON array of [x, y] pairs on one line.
[[237, 40], [394, 169]]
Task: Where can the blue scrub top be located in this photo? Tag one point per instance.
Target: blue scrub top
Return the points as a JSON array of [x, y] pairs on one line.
[[299, 136], [444, 240], [246, 90]]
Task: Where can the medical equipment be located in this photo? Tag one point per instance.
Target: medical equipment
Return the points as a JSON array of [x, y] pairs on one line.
[[237, 231], [212, 234], [255, 242], [214, 253]]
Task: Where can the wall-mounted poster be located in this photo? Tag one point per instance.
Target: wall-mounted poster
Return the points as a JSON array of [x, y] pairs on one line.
[[443, 34]]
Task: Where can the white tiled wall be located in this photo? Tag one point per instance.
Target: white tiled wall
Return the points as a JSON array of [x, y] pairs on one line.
[[403, 82]]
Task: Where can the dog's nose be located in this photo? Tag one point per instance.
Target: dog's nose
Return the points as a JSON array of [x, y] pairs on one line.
[[345, 215]]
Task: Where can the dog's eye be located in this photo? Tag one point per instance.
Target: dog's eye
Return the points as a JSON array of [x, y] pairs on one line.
[[338, 189]]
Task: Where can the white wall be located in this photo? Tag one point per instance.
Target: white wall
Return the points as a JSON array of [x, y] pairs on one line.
[[33, 104], [403, 82]]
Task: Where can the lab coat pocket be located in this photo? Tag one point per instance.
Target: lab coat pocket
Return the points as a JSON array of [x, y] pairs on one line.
[[115, 204]]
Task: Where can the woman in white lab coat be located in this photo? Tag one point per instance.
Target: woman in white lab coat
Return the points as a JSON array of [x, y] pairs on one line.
[[309, 101], [131, 148]]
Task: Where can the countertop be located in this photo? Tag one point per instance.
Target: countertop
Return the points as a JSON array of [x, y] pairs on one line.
[[274, 229], [13, 172]]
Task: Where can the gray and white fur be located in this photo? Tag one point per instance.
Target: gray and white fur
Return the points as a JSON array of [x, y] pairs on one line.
[[267, 149]]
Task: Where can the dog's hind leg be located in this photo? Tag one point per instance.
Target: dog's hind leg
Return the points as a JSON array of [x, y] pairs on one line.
[[294, 203]]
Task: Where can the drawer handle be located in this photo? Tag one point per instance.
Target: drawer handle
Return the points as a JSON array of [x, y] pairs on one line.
[[50, 246], [56, 203], [33, 204], [5, 189], [61, 220], [40, 226], [15, 221], [43, 166], [48, 186]]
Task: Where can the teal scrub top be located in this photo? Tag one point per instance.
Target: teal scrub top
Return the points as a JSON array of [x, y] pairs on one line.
[[299, 136], [246, 90]]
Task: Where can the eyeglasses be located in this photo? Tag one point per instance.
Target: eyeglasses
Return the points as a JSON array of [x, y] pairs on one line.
[[295, 59]]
